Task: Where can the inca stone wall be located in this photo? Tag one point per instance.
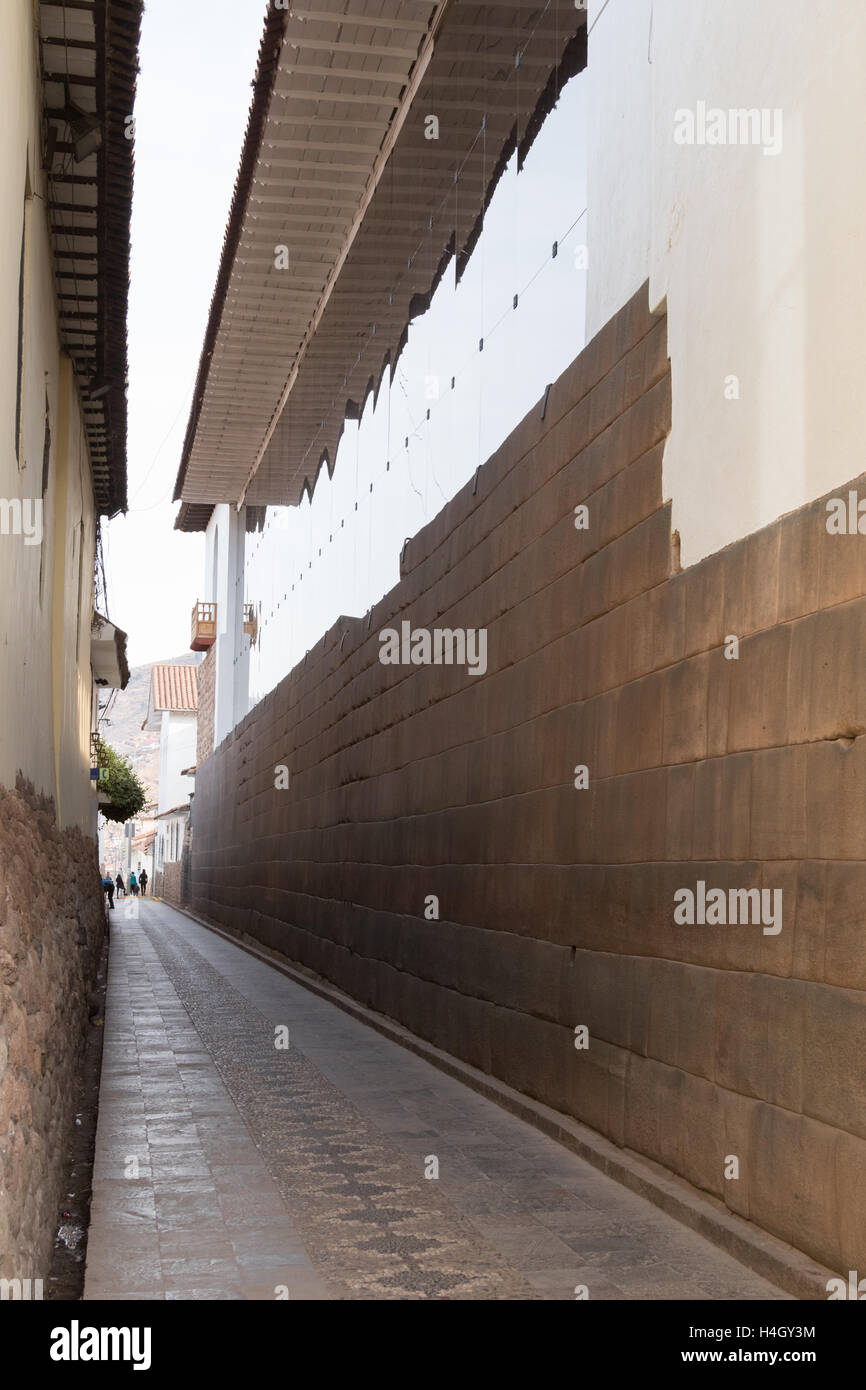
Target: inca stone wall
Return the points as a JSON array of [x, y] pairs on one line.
[[737, 764], [167, 883], [52, 923], [206, 696]]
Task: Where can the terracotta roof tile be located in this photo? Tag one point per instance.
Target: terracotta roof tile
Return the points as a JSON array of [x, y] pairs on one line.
[[174, 687]]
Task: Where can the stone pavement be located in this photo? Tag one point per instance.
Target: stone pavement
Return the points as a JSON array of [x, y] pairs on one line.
[[229, 1167]]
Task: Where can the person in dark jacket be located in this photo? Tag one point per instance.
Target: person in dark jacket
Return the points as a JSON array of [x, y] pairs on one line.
[[118, 883], [142, 878], [108, 887]]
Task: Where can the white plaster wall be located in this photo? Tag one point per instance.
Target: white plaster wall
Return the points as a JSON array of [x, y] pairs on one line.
[[177, 750], [45, 590], [170, 840], [216, 552], [762, 259], [224, 578]]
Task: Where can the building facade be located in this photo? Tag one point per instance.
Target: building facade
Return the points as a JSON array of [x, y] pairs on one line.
[[173, 712], [68, 76]]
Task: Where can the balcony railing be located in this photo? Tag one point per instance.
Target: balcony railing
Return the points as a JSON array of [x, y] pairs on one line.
[[203, 626]]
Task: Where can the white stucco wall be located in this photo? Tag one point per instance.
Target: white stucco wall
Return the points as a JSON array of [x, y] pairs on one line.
[[761, 258], [169, 840], [46, 591], [143, 859], [177, 750], [224, 577]]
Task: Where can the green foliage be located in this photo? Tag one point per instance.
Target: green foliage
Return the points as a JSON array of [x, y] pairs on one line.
[[122, 788]]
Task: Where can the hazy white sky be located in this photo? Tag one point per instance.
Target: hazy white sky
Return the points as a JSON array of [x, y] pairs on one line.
[[191, 110], [197, 63]]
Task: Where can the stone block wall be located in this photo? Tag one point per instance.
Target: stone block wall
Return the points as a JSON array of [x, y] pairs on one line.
[[741, 765], [206, 698], [52, 925], [167, 883]]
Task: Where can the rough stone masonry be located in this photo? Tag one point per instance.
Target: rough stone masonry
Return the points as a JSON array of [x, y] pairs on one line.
[[52, 924]]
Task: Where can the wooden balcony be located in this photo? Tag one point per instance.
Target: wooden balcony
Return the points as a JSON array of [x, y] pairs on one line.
[[251, 623], [203, 626]]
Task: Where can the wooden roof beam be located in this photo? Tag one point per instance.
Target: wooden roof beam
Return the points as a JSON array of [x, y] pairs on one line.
[[413, 26]]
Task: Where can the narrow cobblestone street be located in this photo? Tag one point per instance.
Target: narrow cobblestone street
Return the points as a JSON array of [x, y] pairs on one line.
[[267, 1172]]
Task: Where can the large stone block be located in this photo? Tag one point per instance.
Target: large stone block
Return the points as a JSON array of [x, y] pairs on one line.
[[680, 801], [778, 804], [597, 992], [761, 1020], [848, 1198], [757, 708], [835, 792], [682, 1009], [800, 545], [752, 582], [735, 797], [792, 1191], [834, 1058], [705, 606], [685, 711], [836, 950]]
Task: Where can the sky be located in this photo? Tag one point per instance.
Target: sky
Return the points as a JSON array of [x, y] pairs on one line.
[[194, 90], [191, 109]]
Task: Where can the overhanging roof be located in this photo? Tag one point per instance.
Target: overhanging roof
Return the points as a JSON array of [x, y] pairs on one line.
[[338, 168], [89, 55]]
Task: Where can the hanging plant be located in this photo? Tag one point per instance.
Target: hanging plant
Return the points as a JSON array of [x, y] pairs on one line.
[[121, 794]]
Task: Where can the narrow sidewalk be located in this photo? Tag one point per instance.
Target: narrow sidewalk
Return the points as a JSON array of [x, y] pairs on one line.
[[230, 1166]]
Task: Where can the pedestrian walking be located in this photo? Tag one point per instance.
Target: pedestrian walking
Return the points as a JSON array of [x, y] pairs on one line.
[[119, 885], [133, 884], [142, 878], [108, 888]]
